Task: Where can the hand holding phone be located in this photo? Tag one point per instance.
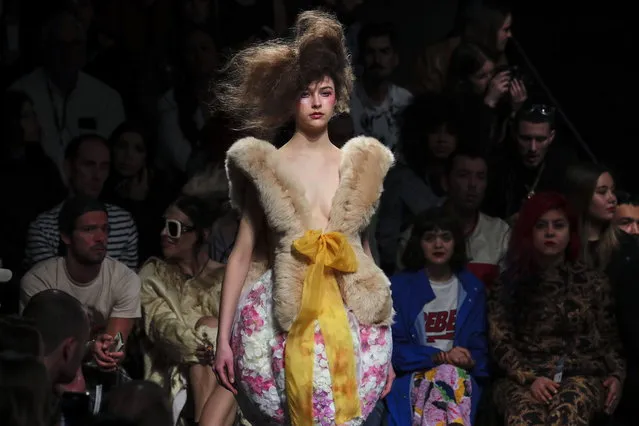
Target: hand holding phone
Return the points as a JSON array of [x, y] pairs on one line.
[[117, 344], [106, 358]]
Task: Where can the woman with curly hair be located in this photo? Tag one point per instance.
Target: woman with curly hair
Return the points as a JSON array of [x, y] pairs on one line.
[[309, 342]]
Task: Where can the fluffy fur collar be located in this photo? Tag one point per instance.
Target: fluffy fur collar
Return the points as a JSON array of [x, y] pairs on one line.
[[252, 166]]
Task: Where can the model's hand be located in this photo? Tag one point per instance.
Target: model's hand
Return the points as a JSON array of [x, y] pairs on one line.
[[389, 382], [223, 366]]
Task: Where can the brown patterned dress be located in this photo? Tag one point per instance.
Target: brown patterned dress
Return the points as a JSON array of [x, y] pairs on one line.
[[565, 314]]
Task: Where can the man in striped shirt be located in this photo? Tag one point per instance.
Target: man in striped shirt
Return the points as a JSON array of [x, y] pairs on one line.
[[87, 165]]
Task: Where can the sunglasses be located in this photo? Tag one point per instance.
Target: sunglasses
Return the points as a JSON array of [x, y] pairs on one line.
[[545, 110], [175, 228]]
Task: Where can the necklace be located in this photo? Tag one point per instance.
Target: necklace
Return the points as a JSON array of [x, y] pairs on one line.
[[531, 189]]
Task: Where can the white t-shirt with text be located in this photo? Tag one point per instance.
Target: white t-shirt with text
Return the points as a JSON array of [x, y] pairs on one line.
[[437, 322]]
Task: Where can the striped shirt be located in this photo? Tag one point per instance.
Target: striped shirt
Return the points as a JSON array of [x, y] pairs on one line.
[[43, 237]]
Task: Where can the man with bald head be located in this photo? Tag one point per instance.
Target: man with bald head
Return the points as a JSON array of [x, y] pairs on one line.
[[68, 102], [64, 327]]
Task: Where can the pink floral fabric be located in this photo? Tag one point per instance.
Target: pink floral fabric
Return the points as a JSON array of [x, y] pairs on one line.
[[259, 353]]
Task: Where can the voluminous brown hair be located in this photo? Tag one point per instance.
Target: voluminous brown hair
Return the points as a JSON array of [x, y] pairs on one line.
[[260, 84]]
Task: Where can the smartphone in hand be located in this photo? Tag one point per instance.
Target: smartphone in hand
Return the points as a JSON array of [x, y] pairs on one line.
[[118, 343]]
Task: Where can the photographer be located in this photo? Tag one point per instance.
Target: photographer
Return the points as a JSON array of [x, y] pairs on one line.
[[487, 97]]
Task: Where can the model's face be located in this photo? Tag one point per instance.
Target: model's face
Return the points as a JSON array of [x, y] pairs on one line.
[[316, 105]]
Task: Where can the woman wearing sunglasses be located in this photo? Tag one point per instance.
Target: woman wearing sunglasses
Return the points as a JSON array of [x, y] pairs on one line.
[[180, 299]]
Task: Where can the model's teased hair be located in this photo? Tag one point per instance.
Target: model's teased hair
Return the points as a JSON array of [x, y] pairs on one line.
[[260, 84]]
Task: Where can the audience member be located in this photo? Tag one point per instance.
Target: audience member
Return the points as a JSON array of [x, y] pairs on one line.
[[68, 102], [138, 187], [439, 335], [627, 213], [183, 110], [64, 327], [532, 163], [377, 103], [488, 24], [180, 299], [87, 164], [108, 288], [553, 332]]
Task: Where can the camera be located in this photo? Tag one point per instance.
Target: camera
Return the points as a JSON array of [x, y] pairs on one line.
[[516, 73]]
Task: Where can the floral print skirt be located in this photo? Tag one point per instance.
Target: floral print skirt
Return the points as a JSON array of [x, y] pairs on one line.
[[259, 362]]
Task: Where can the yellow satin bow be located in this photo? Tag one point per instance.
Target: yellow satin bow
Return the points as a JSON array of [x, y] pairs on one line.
[[322, 301]]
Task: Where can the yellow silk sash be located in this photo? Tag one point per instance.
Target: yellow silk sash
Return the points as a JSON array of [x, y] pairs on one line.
[[322, 301]]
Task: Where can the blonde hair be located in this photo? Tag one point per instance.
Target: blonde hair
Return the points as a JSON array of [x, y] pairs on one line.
[[260, 84]]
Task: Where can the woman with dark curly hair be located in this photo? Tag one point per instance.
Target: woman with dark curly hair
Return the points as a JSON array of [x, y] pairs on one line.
[[309, 342], [440, 349]]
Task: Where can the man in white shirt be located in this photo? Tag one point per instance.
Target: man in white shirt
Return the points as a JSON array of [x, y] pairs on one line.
[[377, 103], [487, 237], [68, 102], [465, 181], [108, 288]]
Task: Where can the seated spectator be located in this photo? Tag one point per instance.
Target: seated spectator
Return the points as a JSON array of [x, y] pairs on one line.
[[212, 185], [465, 178], [552, 327], [64, 327], [108, 288], [87, 165], [180, 300], [428, 136], [377, 103], [487, 97], [25, 392], [488, 25], [440, 348], [627, 213], [532, 162], [67, 101], [135, 185]]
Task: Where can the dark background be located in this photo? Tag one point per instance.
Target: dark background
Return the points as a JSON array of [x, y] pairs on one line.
[[584, 53]]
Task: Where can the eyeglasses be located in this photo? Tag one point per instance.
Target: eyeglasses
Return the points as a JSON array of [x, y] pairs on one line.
[[543, 109], [175, 228]]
